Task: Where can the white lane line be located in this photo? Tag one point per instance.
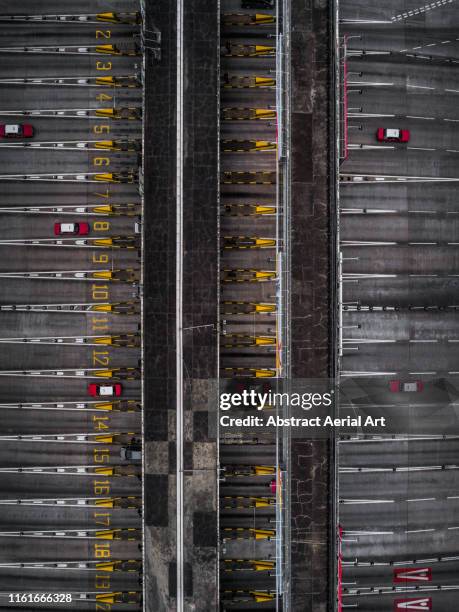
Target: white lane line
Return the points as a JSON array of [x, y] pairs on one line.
[[368, 147], [431, 45], [418, 530], [452, 151], [445, 42], [416, 117], [366, 501], [421, 9], [452, 120], [370, 83], [358, 502], [179, 470], [382, 84], [350, 540], [420, 149]]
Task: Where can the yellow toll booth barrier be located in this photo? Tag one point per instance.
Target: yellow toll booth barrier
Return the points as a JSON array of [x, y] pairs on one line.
[[106, 145], [264, 145], [106, 406], [102, 308], [264, 341], [107, 341], [104, 439], [105, 112], [265, 82], [103, 209], [263, 566], [261, 597], [262, 18], [242, 19], [264, 470], [247, 114], [107, 534], [104, 373], [107, 566], [108, 598], [106, 177], [262, 308], [105, 471], [259, 209], [247, 146], [108, 81], [107, 49], [264, 113], [118, 113], [264, 50], [110, 17], [265, 275], [262, 502], [264, 243], [103, 274], [264, 373], [105, 503], [263, 534]]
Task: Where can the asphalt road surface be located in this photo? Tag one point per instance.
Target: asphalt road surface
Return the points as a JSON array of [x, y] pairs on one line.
[[398, 505], [248, 345], [70, 500]]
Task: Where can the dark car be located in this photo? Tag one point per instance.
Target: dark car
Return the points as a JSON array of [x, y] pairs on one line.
[[131, 453]]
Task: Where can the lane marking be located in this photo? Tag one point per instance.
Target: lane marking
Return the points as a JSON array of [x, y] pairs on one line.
[[179, 357], [421, 9], [405, 574]]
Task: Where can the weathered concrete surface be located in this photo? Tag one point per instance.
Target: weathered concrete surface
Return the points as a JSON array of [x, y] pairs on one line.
[[200, 300], [312, 106]]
